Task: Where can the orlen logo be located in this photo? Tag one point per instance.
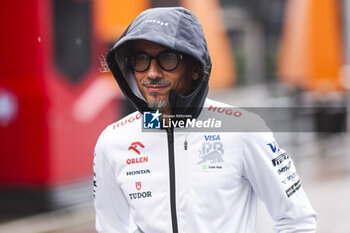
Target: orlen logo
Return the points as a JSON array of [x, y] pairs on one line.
[[136, 147]]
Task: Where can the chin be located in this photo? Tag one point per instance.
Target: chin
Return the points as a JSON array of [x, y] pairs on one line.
[[156, 104]]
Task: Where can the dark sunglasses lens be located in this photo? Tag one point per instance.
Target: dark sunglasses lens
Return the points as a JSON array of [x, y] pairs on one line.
[[168, 60], [140, 62]]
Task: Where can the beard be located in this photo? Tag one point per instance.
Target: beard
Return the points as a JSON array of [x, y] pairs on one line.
[[158, 104]]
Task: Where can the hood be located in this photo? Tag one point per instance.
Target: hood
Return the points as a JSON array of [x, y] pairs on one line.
[[176, 28]]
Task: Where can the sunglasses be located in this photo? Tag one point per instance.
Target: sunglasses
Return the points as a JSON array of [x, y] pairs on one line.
[[167, 60]]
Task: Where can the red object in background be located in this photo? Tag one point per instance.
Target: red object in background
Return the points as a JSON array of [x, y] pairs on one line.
[[54, 101]]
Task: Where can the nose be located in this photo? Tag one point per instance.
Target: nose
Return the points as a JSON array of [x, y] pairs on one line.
[[154, 71]]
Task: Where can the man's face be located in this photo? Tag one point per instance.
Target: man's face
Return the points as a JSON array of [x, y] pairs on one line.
[[155, 83]]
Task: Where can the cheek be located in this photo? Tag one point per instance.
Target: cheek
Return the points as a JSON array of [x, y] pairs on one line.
[[138, 78]]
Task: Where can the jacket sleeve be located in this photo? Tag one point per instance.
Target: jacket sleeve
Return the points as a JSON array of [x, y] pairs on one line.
[[112, 210], [273, 177]]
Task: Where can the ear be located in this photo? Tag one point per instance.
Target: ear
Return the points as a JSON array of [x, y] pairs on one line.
[[195, 76], [195, 72]]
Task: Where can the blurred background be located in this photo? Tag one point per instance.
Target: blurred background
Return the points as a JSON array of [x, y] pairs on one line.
[[57, 95]]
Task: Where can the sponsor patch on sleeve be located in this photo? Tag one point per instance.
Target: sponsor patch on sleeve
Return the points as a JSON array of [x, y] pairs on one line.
[[286, 171], [279, 159], [292, 189], [94, 183]]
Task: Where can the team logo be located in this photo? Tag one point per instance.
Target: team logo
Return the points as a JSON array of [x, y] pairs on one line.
[[211, 153], [138, 185], [151, 120], [213, 156]]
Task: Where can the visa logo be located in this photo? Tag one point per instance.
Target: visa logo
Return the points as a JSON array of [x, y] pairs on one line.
[[274, 147], [212, 137]]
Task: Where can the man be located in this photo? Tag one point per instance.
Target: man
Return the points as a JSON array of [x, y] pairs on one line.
[[172, 180]]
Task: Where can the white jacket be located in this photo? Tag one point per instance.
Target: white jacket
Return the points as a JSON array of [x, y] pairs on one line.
[[196, 182]]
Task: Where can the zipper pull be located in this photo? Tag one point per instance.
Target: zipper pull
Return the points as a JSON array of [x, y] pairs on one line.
[[185, 144]]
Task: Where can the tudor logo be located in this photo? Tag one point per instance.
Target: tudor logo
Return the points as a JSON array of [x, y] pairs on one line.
[[134, 146], [139, 195], [138, 185]]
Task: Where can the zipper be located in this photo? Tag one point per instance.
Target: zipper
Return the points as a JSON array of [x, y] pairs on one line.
[[170, 135], [186, 166]]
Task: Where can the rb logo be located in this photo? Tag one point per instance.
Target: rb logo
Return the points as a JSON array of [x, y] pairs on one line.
[[151, 120]]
